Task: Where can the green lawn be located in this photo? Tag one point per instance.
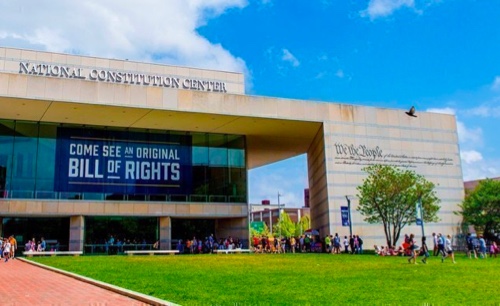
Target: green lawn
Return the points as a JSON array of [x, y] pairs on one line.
[[294, 279]]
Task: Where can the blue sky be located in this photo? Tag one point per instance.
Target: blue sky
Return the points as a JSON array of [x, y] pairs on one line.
[[439, 55]]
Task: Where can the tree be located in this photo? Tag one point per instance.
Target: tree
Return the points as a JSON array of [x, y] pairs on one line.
[[481, 208], [389, 196], [303, 225], [286, 225]]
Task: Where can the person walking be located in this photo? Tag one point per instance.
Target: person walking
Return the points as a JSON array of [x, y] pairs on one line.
[[470, 246], [441, 242], [360, 245], [435, 249], [13, 246], [482, 247], [448, 249], [424, 250], [493, 249], [413, 247], [293, 242], [336, 244], [328, 242], [351, 243], [6, 249]]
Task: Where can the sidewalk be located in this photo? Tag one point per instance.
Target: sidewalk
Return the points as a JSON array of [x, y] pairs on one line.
[[27, 284]]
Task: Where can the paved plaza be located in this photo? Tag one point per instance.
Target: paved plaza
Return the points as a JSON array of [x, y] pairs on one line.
[[28, 284]]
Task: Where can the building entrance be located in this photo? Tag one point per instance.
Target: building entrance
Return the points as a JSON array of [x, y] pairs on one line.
[[187, 229], [55, 231]]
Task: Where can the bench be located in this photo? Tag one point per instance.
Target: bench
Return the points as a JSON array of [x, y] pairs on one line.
[[233, 251], [152, 252], [52, 253]]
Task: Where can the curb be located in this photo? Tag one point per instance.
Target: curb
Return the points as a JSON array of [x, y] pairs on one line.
[[129, 293]]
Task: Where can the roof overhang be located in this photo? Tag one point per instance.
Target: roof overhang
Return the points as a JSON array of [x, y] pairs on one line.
[[268, 139]]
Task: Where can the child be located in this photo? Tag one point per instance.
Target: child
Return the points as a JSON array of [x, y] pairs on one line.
[[493, 249]]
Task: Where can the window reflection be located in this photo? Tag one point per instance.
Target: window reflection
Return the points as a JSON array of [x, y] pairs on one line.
[[28, 165]]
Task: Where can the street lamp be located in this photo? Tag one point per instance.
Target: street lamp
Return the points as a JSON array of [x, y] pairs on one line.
[[349, 213], [279, 214], [420, 215]]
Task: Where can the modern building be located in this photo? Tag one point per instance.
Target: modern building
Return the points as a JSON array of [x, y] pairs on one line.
[[471, 185], [92, 148], [270, 214]]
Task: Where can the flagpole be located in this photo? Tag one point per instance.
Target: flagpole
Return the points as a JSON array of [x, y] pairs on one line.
[[421, 208]]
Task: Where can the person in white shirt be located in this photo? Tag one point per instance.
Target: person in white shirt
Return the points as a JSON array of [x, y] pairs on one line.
[[6, 249], [448, 250]]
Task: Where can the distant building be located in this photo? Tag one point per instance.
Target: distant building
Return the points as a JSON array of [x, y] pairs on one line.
[[270, 216], [471, 185]]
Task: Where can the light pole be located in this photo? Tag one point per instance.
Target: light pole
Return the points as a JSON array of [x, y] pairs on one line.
[[279, 214], [420, 215], [349, 213]]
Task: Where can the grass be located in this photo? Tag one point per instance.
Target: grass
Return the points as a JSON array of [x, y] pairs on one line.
[[294, 279]]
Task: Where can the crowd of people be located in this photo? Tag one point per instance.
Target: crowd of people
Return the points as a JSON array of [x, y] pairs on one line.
[[8, 245], [442, 246], [333, 244], [477, 247], [33, 246], [207, 245]]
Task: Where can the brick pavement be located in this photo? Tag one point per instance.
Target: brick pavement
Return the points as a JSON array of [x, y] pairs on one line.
[[27, 284]]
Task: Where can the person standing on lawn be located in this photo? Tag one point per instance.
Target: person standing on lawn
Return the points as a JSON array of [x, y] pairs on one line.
[[424, 250], [435, 249], [448, 249], [413, 249], [470, 246], [482, 247]]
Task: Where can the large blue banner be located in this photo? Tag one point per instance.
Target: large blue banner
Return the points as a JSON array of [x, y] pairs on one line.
[[344, 213], [122, 162]]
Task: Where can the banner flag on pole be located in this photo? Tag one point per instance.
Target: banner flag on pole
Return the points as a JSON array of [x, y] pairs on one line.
[[419, 216], [344, 212]]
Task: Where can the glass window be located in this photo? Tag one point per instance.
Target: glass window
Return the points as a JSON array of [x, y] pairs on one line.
[[45, 164], [28, 165], [6, 147], [24, 160]]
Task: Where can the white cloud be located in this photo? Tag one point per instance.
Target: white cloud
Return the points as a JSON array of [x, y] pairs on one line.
[[143, 30], [339, 74], [289, 57], [469, 136], [480, 170], [485, 111], [383, 8], [470, 157], [445, 110], [496, 83]]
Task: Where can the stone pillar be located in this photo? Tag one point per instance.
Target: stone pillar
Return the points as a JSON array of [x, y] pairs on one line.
[[165, 233], [76, 233]]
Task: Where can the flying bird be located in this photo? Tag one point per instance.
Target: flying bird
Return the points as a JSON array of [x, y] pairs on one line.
[[411, 112]]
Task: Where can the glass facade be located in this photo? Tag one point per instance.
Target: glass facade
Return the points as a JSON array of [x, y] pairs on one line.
[[29, 164]]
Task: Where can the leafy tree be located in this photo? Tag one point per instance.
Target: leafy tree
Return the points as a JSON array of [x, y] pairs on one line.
[[286, 225], [481, 208], [389, 196], [303, 225]]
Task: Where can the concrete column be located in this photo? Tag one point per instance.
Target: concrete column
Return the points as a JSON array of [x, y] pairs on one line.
[[76, 233], [165, 233]]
